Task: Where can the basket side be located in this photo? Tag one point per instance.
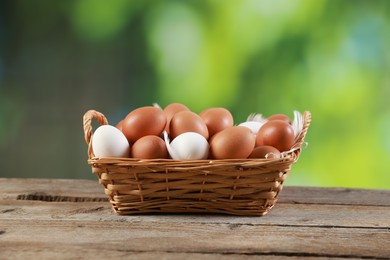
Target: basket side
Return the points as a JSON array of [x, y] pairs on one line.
[[230, 189]]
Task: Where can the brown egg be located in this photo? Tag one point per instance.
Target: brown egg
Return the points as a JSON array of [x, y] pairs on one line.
[[276, 133], [143, 121], [282, 117], [119, 125], [236, 142], [265, 151], [216, 119], [170, 110], [187, 121], [149, 147]]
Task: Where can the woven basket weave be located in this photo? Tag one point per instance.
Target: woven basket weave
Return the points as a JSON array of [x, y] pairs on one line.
[[237, 187]]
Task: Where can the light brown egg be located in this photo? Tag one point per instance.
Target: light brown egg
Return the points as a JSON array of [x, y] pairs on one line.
[[236, 142], [282, 117], [171, 109], [265, 151], [216, 119], [187, 121], [149, 147], [276, 133], [143, 121]]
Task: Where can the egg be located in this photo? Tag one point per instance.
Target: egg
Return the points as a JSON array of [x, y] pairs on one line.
[[187, 146], [216, 119], [109, 141], [282, 117], [171, 109], [119, 125], [265, 151], [143, 121], [187, 121], [236, 142], [276, 133], [149, 147]]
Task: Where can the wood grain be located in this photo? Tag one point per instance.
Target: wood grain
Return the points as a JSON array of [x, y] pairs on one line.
[[198, 238], [12, 188], [335, 196], [282, 214], [65, 219]]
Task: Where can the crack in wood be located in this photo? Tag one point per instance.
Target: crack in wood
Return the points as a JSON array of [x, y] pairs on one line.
[[301, 254], [277, 254], [2, 232], [331, 204], [233, 226], [7, 210], [41, 196], [88, 210], [328, 226]]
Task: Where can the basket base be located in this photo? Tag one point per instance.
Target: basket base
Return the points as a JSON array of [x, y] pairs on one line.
[[232, 207]]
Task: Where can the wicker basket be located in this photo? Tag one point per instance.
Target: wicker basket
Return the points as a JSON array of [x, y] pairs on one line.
[[238, 187]]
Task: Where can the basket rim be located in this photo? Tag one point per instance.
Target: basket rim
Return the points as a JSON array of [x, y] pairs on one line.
[[291, 156]]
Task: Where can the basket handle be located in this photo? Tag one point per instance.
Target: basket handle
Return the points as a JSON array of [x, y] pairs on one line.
[[87, 121], [306, 120], [301, 137]]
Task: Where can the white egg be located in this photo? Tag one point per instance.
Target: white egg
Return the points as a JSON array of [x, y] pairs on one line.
[[254, 126], [187, 146], [109, 141]]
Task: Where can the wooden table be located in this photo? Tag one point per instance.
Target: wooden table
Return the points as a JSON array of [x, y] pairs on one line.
[[52, 219]]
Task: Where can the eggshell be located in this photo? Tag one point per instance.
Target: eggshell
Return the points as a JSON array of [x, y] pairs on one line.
[[119, 125], [171, 109], [236, 142], [282, 117], [276, 133], [216, 119], [189, 146], [149, 147], [187, 121], [265, 151], [109, 141], [143, 121]]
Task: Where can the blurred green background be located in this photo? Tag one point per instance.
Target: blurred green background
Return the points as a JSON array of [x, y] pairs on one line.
[[60, 58]]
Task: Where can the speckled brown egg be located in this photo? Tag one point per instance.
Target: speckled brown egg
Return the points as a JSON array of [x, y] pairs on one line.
[[236, 142], [216, 119], [149, 147], [265, 151], [187, 121], [143, 121], [276, 133]]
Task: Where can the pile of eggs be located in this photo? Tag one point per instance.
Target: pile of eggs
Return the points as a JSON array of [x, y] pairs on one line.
[[176, 132]]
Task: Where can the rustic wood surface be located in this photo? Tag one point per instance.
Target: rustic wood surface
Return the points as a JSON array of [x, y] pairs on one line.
[[68, 219]]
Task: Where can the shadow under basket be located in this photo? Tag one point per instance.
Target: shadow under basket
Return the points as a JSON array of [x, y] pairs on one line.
[[237, 187]]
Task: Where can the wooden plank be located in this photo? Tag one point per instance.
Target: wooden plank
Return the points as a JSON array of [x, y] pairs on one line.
[[56, 188], [81, 252], [335, 196], [89, 189], [197, 238], [282, 214]]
